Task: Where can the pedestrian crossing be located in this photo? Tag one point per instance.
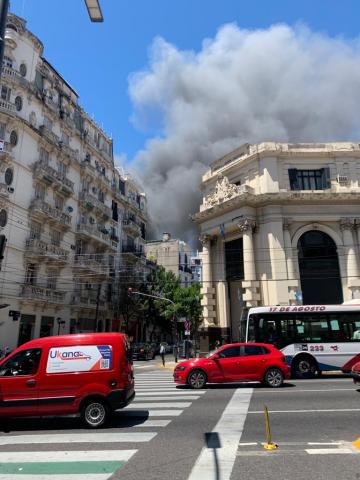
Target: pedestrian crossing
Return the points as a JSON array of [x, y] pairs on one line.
[[73, 453]]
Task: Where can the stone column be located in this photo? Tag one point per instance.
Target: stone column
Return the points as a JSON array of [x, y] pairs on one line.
[[207, 290], [250, 285], [293, 284], [347, 226]]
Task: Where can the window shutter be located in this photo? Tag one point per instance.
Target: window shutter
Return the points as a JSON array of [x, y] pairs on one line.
[[326, 178], [294, 185]]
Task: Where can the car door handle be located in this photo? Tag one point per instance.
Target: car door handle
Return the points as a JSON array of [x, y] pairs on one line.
[[30, 383]]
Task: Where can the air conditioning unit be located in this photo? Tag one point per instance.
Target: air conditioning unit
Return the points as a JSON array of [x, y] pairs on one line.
[[10, 189], [342, 179]]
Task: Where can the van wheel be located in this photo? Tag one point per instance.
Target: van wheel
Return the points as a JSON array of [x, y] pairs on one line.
[[95, 413]]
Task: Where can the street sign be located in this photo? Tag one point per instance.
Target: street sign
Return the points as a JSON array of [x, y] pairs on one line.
[[187, 332]]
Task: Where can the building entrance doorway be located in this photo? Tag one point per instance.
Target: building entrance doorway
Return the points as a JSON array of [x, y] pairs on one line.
[[319, 269]]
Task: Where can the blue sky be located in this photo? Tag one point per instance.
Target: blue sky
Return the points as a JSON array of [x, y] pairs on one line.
[[97, 59]]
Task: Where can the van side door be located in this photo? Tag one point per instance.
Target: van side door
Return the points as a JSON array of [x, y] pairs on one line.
[[19, 383]]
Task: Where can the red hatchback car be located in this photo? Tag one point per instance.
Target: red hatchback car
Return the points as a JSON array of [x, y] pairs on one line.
[[236, 362]]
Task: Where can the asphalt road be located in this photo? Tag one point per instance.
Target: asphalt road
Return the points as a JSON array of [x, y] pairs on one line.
[[215, 434]]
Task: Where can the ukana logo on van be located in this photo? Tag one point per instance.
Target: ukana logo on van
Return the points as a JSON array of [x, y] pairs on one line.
[[76, 355]]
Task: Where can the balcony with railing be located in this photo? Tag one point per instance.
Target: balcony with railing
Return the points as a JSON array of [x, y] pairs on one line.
[[94, 232], [14, 75], [96, 263], [89, 301], [6, 106], [45, 172], [49, 135], [46, 251], [91, 202], [129, 225], [41, 294], [133, 253], [43, 211]]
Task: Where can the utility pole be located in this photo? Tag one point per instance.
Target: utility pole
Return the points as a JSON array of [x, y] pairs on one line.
[[4, 7]]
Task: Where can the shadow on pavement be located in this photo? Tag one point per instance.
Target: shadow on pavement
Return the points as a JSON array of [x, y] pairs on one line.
[[69, 423]]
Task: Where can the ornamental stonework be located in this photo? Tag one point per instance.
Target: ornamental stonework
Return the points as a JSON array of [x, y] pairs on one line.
[[224, 190], [247, 225]]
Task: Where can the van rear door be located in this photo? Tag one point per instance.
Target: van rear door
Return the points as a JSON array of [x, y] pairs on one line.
[[19, 379]]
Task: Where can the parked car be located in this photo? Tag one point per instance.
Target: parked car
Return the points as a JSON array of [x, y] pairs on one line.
[[143, 351], [236, 362], [355, 373], [89, 374]]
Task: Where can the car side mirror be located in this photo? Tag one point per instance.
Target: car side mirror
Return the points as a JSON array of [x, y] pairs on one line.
[[216, 356]]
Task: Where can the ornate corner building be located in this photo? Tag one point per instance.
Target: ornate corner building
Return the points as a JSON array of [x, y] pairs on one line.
[[73, 222], [280, 224]]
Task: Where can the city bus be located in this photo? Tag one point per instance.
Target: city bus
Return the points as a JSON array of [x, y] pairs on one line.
[[313, 338]]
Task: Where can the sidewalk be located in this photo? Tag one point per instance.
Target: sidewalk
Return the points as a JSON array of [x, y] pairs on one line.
[[168, 365]]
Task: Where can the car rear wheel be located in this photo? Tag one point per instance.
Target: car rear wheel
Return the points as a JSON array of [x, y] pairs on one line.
[[95, 413], [274, 378], [197, 379]]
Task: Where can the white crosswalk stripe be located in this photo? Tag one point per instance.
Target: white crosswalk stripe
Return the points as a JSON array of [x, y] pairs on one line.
[[157, 403]]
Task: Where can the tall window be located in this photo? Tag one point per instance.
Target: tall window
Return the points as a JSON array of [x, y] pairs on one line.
[[55, 237], [35, 230], [5, 93], [59, 202], [40, 191], [101, 196], [2, 131], [44, 156], [62, 168], [309, 179], [234, 259], [30, 274], [51, 279]]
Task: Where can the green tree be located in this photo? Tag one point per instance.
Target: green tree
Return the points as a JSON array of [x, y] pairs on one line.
[[188, 305]]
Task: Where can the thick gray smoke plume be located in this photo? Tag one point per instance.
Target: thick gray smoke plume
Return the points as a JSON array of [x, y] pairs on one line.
[[279, 84]]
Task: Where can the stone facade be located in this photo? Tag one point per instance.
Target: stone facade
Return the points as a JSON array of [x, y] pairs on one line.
[[72, 221], [172, 254], [259, 201]]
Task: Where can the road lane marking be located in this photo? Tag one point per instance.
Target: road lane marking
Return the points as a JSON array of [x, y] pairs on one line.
[[158, 405], [328, 451], [308, 411], [155, 398], [217, 463], [152, 423], [169, 392], [66, 456], [77, 438], [311, 390], [95, 476], [144, 412]]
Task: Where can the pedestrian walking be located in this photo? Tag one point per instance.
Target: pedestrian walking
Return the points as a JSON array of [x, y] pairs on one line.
[[176, 352], [162, 353]]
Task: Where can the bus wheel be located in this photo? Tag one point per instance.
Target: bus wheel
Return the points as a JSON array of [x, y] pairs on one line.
[[304, 367]]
